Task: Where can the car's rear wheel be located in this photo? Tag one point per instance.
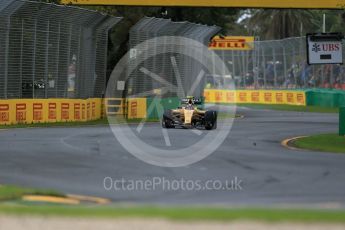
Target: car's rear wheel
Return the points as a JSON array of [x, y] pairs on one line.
[[210, 120]]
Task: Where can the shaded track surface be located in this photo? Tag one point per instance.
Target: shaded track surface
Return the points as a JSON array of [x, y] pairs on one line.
[[76, 160]]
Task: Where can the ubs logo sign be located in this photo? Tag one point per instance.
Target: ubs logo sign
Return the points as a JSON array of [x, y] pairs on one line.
[[316, 48], [324, 48]]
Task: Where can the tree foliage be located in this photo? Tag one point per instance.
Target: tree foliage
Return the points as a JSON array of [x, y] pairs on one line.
[[278, 24], [335, 20], [223, 17], [283, 23]]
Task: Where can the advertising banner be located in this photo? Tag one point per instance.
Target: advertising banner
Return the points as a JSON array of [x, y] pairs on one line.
[[255, 96], [26, 111], [136, 108], [232, 43]]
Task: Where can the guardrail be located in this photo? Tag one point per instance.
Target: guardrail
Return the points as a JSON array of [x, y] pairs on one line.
[[130, 108], [115, 106]]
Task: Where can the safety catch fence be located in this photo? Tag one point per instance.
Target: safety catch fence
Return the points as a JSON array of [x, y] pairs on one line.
[[52, 51]]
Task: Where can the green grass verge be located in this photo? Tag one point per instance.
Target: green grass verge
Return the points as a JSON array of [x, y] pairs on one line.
[[323, 142], [13, 193], [9, 192], [180, 213], [314, 109]]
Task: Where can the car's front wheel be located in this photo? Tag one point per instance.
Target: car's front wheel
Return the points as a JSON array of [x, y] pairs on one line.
[[210, 120], [166, 122]]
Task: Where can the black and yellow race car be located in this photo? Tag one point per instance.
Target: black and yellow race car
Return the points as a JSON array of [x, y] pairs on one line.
[[190, 116]]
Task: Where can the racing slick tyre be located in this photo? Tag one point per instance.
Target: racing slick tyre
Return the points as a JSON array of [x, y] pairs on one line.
[[210, 120], [167, 121]]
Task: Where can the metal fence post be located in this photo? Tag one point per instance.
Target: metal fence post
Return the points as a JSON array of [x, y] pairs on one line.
[[293, 66], [222, 57], [7, 55], [21, 59], [213, 62], [79, 63], [57, 61], [233, 64], [256, 68], [322, 76], [331, 80], [244, 70], [274, 66], [34, 60], [342, 121], [46, 61], [264, 66], [285, 67], [68, 57], [105, 65]]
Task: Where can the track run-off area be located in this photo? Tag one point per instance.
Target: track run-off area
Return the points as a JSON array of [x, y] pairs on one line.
[[78, 159]]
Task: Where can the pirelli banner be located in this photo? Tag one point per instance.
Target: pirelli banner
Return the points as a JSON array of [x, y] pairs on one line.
[[26, 111], [255, 97], [232, 43], [136, 108]]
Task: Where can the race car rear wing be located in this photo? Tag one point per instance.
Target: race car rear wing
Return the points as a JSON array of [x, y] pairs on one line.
[[196, 101]]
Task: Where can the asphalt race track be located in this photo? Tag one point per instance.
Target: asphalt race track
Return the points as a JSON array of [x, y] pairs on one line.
[[76, 160]]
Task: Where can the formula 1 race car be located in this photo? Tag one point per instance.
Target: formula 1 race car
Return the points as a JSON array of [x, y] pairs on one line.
[[189, 116]]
